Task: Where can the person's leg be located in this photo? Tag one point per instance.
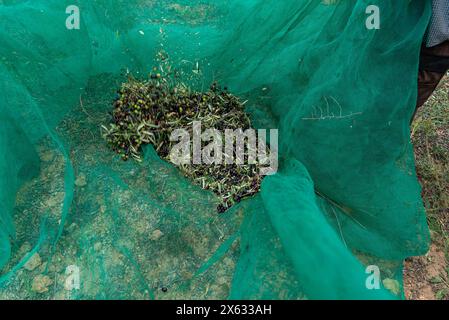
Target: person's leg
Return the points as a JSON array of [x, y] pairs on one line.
[[434, 63], [427, 83]]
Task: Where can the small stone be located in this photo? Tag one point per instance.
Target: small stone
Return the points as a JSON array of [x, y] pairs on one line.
[[43, 266], [60, 296], [156, 235], [41, 283], [56, 263], [72, 227], [186, 275], [97, 246], [53, 268], [56, 200], [34, 262], [25, 248], [81, 180], [47, 156], [392, 285]]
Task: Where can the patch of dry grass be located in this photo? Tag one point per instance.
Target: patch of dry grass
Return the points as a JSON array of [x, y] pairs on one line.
[[430, 134]]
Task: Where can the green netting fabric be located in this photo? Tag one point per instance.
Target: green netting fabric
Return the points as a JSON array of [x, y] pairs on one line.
[[346, 194]]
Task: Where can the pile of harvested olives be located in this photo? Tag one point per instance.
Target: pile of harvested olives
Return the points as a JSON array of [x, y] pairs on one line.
[[147, 112]]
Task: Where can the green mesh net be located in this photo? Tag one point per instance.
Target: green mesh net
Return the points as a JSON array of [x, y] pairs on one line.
[[346, 194]]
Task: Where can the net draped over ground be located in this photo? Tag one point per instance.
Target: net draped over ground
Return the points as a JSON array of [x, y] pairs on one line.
[[346, 194]]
